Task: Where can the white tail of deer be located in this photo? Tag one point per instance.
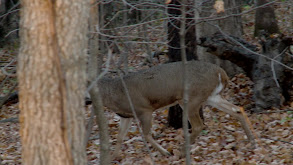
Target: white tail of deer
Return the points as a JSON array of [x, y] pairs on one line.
[[161, 87]]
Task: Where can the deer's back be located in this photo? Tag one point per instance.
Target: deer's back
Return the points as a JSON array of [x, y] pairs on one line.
[[160, 86], [163, 85]]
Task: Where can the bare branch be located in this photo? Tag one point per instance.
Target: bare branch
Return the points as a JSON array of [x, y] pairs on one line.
[[185, 85]]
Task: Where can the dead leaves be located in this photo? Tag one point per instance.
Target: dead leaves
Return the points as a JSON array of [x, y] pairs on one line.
[[222, 142]]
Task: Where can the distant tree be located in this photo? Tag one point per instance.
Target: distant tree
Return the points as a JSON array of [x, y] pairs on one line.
[[230, 25], [52, 80], [265, 19], [174, 52]]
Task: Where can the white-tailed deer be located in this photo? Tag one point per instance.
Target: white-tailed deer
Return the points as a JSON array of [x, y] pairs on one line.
[[161, 87]]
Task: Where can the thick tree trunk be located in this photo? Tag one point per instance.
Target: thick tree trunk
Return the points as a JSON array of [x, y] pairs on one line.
[[265, 19], [173, 34], [52, 78], [271, 85]]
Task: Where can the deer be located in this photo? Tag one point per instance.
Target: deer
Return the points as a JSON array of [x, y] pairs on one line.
[[161, 87]]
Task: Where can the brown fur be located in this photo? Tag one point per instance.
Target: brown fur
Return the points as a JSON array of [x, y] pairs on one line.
[[162, 86]]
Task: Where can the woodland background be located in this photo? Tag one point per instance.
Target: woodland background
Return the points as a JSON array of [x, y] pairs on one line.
[[137, 34]]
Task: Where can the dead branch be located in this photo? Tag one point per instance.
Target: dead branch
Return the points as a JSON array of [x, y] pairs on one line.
[[10, 120]]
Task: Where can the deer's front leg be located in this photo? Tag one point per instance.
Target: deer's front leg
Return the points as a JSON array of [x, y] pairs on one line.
[[146, 122]]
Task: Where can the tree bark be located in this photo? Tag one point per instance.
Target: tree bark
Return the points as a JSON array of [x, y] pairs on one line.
[[174, 52], [52, 79], [270, 86], [265, 19]]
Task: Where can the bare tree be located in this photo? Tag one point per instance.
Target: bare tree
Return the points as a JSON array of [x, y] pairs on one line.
[[95, 62], [52, 80], [185, 84]]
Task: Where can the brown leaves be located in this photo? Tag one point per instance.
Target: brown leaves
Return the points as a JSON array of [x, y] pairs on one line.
[[222, 141]]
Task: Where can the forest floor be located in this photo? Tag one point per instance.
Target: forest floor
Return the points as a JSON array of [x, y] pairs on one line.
[[222, 141]]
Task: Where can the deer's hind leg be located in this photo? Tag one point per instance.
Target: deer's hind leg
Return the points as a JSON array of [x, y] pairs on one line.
[[195, 119], [125, 123], [146, 123]]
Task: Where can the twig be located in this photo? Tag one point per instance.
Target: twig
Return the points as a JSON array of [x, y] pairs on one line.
[[277, 140], [11, 10], [4, 69], [276, 111], [273, 68], [11, 120], [7, 96], [182, 34], [15, 30], [103, 73], [3, 82]]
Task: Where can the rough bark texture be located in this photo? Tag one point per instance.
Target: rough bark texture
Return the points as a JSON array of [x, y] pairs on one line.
[[52, 77], [265, 19], [260, 69], [267, 92]]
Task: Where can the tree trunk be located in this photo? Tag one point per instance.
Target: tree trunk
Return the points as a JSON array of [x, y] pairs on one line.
[[265, 19], [271, 85], [231, 25], [95, 63], [174, 53], [52, 79]]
